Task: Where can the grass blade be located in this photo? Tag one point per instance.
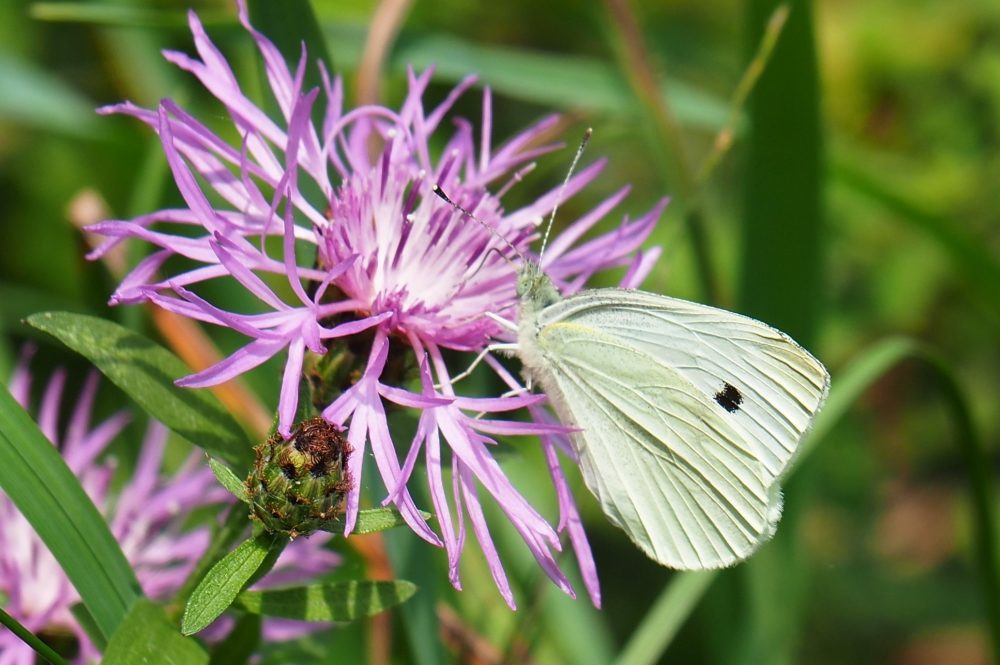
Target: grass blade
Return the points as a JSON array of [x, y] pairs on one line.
[[37, 480], [29, 638], [665, 618]]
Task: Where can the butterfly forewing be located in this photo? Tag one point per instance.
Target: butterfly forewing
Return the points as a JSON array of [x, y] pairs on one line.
[[765, 385], [662, 458]]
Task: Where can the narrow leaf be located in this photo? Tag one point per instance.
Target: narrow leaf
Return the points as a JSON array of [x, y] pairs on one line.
[[86, 621], [37, 480], [29, 638], [668, 613], [337, 601], [226, 579], [224, 535], [146, 372], [147, 637], [229, 480], [373, 520]]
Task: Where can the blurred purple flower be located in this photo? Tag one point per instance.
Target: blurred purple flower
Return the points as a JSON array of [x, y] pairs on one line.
[[392, 261], [146, 517]]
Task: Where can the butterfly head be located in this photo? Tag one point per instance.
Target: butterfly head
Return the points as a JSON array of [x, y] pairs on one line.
[[534, 287]]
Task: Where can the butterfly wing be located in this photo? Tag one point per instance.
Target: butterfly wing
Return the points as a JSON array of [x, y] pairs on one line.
[[685, 466], [769, 387], [665, 466]]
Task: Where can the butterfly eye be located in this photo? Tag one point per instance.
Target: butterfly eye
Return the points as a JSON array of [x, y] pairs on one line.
[[729, 398]]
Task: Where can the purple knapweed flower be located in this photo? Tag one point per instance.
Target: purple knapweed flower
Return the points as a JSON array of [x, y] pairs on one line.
[[147, 517], [344, 216]]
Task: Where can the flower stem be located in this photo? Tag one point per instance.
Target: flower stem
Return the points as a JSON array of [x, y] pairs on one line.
[[32, 640]]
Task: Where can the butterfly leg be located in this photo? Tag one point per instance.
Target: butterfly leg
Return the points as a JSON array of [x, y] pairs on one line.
[[475, 363], [504, 323]]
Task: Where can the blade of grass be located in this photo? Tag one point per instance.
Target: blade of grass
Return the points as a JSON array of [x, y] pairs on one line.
[[32, 640], [781, 263], [781, 282], [120, 15], [665, 617], [35, 477]]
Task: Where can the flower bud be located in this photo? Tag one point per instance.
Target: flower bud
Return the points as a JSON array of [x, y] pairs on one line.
[[298, 485]]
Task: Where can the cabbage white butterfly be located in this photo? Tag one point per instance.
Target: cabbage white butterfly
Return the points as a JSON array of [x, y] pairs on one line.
[[688, 415]]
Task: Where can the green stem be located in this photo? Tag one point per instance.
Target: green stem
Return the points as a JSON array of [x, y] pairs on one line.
[[978, 467], [724, 139], [665, 617], [32, 640]]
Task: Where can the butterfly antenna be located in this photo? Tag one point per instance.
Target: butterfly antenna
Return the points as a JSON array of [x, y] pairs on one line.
[[562, 190], [444, 197]]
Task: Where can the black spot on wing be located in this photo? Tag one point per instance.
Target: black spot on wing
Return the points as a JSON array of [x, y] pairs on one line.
[[729, 398]]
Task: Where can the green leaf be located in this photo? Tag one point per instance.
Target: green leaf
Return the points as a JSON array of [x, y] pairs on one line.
[[146, 372], [336, 601], [86, 621], [147, 637], [781, 281], [121, 15], [223, 537], [37, 480], [372, 521], [229, 480], [227, 578]]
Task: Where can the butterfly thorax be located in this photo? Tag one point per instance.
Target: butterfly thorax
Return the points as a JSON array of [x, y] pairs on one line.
[[536, 292]]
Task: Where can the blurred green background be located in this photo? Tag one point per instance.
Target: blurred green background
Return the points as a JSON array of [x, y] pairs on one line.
[[858, 204]]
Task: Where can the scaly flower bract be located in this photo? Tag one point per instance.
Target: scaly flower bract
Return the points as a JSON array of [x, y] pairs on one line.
[[375, 260]]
